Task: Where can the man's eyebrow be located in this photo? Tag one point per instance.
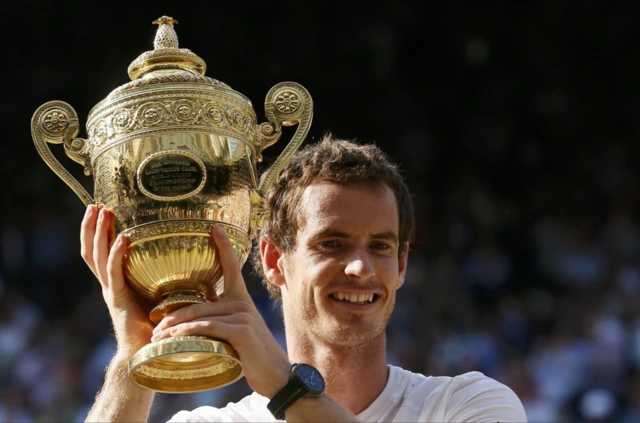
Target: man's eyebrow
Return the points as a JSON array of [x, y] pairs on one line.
[[389, 235], [332, 233], [386, 235]]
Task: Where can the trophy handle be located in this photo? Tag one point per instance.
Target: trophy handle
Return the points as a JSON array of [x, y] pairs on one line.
[[56, 122], [286, 104]]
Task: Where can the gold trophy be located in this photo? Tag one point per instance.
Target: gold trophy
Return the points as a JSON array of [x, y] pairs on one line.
[[174, 153]]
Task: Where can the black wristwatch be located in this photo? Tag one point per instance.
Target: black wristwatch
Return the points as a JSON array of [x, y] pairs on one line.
[[304, 381]]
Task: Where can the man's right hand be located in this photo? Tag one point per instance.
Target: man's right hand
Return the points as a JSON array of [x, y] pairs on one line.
[[104, 254]]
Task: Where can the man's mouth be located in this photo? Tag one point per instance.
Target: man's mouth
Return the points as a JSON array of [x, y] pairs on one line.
[[353, 297]]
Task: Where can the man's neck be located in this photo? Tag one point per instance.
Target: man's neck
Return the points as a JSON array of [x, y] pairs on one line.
[[354, 377]]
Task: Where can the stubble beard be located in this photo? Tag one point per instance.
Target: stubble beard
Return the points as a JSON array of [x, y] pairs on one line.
[[337, 334]]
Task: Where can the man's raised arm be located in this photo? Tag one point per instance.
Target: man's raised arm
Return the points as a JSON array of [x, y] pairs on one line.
[[120, 399]]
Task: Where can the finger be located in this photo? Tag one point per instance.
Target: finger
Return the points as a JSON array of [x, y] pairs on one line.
[[203, 324], [114, 272], [232, 333], [212, 292], [101, 245], [87, 232], [234, 284], [112, 229], [204, 310]]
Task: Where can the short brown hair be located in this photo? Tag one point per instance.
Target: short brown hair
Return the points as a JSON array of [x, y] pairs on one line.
[[340, 161]]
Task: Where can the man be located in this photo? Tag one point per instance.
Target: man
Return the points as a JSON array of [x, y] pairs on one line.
[[334, 250]]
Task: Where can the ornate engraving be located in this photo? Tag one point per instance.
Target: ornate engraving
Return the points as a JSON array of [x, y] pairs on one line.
[[167, 227], [171, 113], [259, 213], [173, 374], [122, 120], [77, 144], [267, 129], [184, 111], [184, 77], [98, 132], [287, 102], [195, 227], [55, 121], [214, 114], [150, 114]]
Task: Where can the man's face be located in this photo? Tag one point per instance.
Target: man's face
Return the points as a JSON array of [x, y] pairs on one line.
[[342, 275]]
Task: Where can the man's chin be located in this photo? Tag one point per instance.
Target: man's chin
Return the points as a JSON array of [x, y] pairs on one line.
[[354, 335]]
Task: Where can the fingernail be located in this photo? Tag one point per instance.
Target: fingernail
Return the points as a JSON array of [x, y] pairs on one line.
[[88, 211]]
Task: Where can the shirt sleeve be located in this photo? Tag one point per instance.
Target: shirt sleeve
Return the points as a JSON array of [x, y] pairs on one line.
[[478, 398]]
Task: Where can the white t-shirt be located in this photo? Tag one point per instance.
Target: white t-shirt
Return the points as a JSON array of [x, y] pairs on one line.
[[407, 397]]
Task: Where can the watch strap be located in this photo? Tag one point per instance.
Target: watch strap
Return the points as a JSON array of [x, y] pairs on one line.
[[284, 399], [292, 392]]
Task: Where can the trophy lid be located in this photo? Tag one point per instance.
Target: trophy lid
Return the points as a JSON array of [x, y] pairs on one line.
[[166, 54], [165, 64]]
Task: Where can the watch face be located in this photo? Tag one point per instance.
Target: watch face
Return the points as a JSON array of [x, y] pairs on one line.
[[311, 378]]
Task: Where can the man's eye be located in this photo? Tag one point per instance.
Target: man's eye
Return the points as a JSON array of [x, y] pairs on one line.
[[380, 246], [330, 244]]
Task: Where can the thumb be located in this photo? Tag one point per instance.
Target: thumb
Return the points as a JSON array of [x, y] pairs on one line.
[[234, 285]]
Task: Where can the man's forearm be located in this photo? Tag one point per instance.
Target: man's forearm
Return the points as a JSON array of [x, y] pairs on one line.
[[318, 409], [120, 399]]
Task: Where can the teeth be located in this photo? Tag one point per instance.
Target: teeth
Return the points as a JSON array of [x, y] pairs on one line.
[[353, 298]]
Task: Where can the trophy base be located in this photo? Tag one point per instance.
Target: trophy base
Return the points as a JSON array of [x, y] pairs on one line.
[[185, 364]]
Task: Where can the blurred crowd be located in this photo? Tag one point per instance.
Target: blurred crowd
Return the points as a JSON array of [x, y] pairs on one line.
[[519, 138]]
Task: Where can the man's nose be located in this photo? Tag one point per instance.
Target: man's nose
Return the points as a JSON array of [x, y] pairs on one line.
[[360, 265]]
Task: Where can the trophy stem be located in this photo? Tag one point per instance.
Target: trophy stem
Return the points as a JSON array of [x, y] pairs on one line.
[[174, 301], [184, 363]]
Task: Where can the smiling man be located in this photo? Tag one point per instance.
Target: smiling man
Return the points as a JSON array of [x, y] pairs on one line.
[[334, 250]]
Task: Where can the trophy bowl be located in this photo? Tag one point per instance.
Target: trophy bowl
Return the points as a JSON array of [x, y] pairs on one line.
[[172, 154]]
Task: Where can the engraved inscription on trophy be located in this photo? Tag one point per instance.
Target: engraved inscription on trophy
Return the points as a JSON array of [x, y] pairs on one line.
[[171, 176]]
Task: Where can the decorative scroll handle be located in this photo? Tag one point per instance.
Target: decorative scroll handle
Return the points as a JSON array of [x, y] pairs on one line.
[[286, 104], [56, 122]]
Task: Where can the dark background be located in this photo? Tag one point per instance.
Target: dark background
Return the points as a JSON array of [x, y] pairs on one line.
[[517, 127]]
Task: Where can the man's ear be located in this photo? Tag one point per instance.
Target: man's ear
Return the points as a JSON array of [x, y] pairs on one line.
[[271, 263], [402, 265]]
